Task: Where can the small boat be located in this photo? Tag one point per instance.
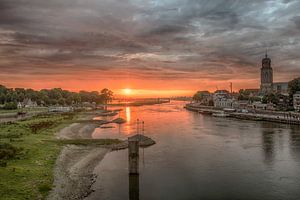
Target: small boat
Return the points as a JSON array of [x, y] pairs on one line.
[[229, 109], [220, 114]]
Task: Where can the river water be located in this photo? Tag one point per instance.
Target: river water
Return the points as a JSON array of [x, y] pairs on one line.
[[201, 157]]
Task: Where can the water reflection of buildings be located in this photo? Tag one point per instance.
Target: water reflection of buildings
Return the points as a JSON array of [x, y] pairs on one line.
[[295, 142], [268, 142], [270, 138]]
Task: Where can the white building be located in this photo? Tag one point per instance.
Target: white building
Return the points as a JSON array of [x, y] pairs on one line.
[[27, 103], [296, 101], [19, 105], [222, 99]]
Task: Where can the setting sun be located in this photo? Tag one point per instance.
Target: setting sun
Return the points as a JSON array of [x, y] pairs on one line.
[[127, 91]]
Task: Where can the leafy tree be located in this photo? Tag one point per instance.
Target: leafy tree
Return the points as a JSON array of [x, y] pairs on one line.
[[2, 98], [3, 89], [61, 101], [243, 95], [271, 98], [294, 86], [107, 95], [201, 95], [53, 96], [10, 106]]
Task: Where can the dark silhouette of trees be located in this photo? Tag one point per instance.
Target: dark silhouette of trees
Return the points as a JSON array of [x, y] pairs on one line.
[[271, 98], [200, 95], [10, 97], [106, 95], [294, 86]]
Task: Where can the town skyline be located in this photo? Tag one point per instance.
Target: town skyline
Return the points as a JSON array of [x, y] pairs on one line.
[[165, 48]]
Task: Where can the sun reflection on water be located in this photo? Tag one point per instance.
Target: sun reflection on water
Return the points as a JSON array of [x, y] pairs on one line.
[[127, 111], [127, 127]]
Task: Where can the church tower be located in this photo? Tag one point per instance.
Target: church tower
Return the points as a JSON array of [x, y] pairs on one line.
[[266, 76]]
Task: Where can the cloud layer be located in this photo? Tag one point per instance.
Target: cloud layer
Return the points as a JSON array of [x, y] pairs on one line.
[[198, 42]]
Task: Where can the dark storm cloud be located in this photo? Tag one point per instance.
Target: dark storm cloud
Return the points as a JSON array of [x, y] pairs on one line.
[[215, 39], [166, 30], [296, 20]]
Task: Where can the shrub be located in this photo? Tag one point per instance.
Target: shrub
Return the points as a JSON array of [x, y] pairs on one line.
[[35, 127], [3, 163], [7, 151], [10, 106]]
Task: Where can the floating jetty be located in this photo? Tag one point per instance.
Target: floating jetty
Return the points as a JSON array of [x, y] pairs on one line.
[[266, 117]]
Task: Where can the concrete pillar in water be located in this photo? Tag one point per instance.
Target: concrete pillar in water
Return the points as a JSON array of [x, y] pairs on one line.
[[133, 156], [134, 187]]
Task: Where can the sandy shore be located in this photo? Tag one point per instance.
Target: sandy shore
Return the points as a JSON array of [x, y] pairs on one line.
[[77, 131], [73, 172]]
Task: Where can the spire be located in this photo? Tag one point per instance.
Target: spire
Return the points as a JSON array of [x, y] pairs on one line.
[[266, 53]]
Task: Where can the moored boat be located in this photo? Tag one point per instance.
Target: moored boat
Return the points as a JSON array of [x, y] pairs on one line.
[[220, 114]]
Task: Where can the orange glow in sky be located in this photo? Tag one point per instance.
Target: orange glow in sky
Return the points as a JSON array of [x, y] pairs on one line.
[[132, 88], [146, 93]]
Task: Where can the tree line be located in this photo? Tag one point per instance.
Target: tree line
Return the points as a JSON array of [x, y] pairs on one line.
[[9, 97]]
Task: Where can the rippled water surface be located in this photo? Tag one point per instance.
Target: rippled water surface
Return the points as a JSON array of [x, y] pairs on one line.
[[201, 157]]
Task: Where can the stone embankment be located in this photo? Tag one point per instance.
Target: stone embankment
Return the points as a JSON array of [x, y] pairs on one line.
[[256, 115]]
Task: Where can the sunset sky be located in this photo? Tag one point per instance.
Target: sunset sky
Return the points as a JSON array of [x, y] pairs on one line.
[[153, 47]]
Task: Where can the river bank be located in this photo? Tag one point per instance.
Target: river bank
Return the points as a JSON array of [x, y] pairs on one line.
[[27, 159], [256, 115], [73, 172], [50, 152]]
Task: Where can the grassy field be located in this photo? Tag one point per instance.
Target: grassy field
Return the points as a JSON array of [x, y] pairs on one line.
[[27, 158]]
